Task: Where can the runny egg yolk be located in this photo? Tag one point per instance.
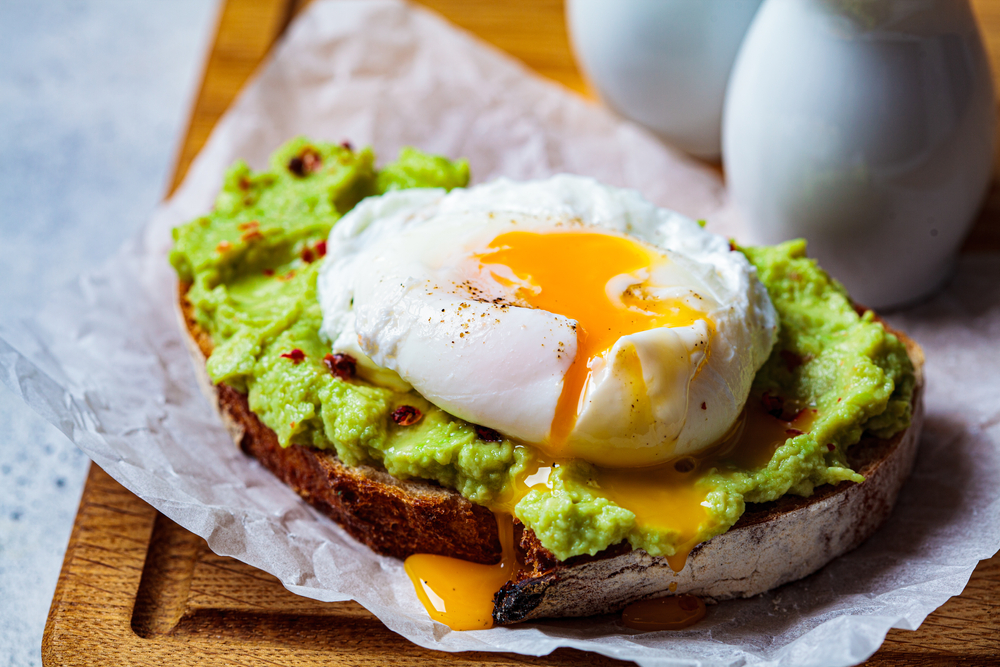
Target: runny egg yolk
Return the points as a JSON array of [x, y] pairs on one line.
[[568, 273], [459, 593], [669, 497], [577, 274]]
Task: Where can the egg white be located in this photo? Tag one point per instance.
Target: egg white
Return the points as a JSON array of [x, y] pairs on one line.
[[399, 293]]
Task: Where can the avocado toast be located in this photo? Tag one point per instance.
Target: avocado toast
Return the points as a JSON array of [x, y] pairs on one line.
[[247, 294]]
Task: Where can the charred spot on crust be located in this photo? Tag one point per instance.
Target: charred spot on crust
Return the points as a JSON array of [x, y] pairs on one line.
[[513, 602]]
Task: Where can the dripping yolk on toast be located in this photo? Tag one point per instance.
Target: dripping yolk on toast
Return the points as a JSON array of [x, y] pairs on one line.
[[666, 497], [571, 273]]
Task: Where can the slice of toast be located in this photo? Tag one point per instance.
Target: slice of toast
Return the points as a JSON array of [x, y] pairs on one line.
[[393, 517], [772, 543]]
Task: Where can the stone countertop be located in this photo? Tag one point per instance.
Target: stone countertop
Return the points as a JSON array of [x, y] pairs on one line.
[[94, 97]]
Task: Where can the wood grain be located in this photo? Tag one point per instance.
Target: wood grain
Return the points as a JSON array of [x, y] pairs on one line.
[[136, 589], [244, 34]]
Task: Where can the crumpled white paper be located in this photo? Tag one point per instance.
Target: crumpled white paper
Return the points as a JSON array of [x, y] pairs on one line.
[[104, 361]]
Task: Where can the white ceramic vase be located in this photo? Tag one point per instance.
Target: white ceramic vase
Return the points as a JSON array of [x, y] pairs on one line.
[[662, 63], [867, 127]]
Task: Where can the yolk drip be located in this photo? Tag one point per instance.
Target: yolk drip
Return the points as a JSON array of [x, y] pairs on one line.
[[668, 497], [569, 272], [758, 434], [671, 613], [665, 497], [535, 477], [459, 593]]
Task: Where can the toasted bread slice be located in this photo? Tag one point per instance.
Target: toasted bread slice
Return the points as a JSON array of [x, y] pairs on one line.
[[772, 544], [393, 517]]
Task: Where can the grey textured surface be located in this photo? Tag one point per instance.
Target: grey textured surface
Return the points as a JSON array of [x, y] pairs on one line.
[[94, 96]]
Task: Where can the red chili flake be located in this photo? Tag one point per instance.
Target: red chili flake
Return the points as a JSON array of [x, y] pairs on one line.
[[831, 446], [792, 432], [732, 246], [307, 255], [839, 400], [488, 434], [268, 272], [296, 355], [704, 406], [244, 226], [306, 162], [341, 365], [244, 183], [321, 249], [287, 276], [311, 161], [346, 144], [223, 246], [792, 360], [773, 405], [252, 235], [795, 416], [406, 415]]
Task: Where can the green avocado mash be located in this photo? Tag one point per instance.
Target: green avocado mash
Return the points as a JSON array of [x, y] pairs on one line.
[[251, 266]]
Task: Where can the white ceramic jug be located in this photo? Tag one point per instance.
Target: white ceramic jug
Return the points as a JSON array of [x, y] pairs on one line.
[[662, 63], [867, 127]]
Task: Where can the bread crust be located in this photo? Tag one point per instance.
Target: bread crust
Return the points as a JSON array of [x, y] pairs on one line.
[[772, 543], [393, 517]]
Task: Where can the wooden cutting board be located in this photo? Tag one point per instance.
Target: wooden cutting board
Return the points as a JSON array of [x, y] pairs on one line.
[[137, 589]]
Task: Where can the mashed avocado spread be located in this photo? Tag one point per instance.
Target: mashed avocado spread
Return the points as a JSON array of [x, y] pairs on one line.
[[250, 269]]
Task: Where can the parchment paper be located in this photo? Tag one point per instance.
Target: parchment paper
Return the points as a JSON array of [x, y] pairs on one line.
[[105, 363]]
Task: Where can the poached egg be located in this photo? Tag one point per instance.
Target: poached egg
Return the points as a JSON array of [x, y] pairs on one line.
[[563, 313]]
